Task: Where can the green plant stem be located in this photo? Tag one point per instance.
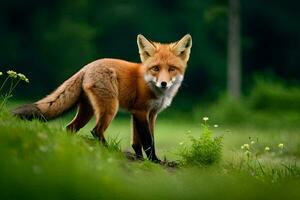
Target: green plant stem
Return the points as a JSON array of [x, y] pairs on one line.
[[6, 97], [4, 83], [13, 88], [260, 166]]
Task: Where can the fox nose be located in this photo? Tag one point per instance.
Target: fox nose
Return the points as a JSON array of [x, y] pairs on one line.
[[163, 84]]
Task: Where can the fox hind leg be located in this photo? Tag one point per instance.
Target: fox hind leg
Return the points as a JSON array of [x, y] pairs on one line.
[[103, 119], [83, 115], [136, 143], [101, 87]]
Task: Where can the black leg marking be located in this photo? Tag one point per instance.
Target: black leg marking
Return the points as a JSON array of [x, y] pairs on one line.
[[146, 139], [138, 150]]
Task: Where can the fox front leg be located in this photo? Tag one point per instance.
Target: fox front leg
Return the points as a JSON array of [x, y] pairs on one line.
[[141, 124]]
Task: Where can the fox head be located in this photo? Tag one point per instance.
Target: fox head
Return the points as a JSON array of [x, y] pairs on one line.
[[164, 64]]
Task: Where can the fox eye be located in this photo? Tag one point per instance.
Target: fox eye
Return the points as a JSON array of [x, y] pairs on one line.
[[172, 69], [155, 68]]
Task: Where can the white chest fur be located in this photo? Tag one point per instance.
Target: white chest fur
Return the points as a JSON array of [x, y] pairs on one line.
[[160, 103], [163, 100]]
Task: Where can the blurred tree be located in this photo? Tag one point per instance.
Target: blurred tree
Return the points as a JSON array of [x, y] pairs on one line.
[[49, 40], [233, 54]]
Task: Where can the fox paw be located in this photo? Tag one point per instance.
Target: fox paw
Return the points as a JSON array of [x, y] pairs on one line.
[[133, 156]]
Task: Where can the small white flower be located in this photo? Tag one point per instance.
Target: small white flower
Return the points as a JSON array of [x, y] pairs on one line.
[[252, 142], [23, 77], [280, 146], [216, 125], [1, 73], [267, 148], [246, 146], [205, 119], [12, 74]]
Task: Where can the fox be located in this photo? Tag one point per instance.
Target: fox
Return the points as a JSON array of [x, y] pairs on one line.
[[103, 86]]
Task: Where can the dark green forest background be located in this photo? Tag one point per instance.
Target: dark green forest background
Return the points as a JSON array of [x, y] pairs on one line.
[[50, 40]]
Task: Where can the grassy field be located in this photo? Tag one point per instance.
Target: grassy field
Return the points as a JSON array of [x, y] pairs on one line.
[[43, 161]]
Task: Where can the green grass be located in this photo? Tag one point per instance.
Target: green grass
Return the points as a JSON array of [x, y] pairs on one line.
[[203, 150], [239, 159], [42, 161]]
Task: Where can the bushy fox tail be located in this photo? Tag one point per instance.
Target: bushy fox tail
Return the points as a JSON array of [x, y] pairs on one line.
[[62, 99]]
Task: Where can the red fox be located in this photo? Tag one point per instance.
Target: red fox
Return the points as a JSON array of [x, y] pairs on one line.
[[101, 87]]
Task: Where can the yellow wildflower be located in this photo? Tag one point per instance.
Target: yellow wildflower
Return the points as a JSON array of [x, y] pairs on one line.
[[280, 146], [267, 148], [246, 146]]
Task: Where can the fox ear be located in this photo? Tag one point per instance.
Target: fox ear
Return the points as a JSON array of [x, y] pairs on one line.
[[146, 47], [182, 48]]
